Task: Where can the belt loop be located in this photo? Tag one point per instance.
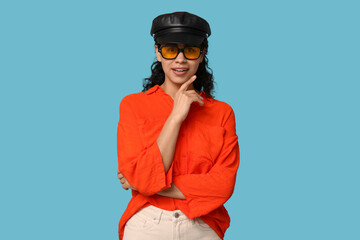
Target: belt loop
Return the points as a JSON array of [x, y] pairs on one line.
[[157, 217]]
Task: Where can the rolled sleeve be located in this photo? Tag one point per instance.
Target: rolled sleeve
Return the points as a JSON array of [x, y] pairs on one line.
[[207, 192]]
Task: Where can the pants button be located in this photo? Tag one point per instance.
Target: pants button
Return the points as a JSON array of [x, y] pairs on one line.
[[177, 215]]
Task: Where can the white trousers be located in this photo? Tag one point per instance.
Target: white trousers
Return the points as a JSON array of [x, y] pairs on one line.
[[152, 223]]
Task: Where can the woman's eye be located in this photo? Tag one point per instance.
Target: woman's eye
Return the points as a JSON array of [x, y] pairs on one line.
[[191, 50]]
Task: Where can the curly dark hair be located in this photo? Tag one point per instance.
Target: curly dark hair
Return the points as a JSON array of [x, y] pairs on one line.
[[204, 75]]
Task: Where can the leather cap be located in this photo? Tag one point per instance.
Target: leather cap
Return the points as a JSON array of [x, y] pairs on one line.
[[180, 27]]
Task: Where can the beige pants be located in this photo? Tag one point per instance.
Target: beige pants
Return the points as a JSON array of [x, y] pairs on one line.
[[154, 223]]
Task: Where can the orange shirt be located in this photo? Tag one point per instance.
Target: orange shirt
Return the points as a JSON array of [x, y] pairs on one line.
[[205, 162]]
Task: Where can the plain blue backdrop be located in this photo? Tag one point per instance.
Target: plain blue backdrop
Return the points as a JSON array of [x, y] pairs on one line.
[[289, 69]]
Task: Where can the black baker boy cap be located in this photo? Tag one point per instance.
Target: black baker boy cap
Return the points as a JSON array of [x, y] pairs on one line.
[[180, 27]]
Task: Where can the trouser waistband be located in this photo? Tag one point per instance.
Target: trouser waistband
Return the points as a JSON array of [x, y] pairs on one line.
[[156, 214]]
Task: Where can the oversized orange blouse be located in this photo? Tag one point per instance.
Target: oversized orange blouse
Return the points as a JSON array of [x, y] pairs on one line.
[[205, 162]]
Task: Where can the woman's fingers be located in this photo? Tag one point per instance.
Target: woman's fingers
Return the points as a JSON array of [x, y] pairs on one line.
[[125, 184], [186, 84], [183, 99], [119, 175], [195, 96]]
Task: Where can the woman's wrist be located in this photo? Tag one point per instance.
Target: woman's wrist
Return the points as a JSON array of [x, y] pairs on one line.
[[172, 192], [174, 119]]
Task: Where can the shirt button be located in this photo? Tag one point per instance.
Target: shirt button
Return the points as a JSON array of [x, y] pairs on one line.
[[177, 215]]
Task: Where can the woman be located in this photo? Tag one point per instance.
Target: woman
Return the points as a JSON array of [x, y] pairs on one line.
[[177, 146]]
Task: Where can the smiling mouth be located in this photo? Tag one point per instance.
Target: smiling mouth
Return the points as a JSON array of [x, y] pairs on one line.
[[179, 70]]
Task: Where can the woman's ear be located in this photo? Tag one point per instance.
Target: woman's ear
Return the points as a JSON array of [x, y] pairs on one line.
[[202, 55], [158, 55]]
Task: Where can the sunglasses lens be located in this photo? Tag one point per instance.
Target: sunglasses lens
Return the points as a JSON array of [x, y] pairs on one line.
[[169, 52], [192, 52]]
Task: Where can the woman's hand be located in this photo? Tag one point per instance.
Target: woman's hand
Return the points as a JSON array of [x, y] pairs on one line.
[[125, 184], [183, 99]]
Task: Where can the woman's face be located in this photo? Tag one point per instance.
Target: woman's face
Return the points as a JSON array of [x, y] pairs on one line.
[[179, 62]]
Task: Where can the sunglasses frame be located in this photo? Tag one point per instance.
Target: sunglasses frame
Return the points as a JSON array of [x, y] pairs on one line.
[[179, 50]]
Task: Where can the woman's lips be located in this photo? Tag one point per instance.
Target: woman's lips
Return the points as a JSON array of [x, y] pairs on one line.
[[179, 73]]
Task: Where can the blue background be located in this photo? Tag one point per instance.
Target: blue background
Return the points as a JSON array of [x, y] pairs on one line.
[[289, 69]]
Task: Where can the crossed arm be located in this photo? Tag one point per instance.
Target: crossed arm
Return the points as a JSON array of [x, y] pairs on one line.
[[165, 145], [172, 192]]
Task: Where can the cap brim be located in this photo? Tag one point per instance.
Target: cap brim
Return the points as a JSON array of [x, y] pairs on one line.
[[180, 38]]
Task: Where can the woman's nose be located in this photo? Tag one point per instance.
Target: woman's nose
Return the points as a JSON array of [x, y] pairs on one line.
[[180, 57]]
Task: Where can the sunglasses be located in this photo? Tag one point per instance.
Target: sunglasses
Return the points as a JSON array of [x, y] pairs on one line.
[[172, 51]]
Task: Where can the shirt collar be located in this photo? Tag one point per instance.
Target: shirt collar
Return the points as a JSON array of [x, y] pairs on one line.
[[158, 89]]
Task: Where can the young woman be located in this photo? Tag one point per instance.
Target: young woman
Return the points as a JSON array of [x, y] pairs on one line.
[[177, 146]]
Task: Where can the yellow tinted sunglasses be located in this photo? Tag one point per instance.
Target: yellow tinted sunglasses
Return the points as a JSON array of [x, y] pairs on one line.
[[172, 51]]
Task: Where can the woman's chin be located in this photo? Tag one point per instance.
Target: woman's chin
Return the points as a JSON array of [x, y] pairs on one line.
[[178, 80]]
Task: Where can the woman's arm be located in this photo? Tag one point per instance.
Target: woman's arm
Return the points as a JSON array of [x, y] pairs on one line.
[[167, 140], [172, 192], [146, 169], [143, 165], [170, 131]]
